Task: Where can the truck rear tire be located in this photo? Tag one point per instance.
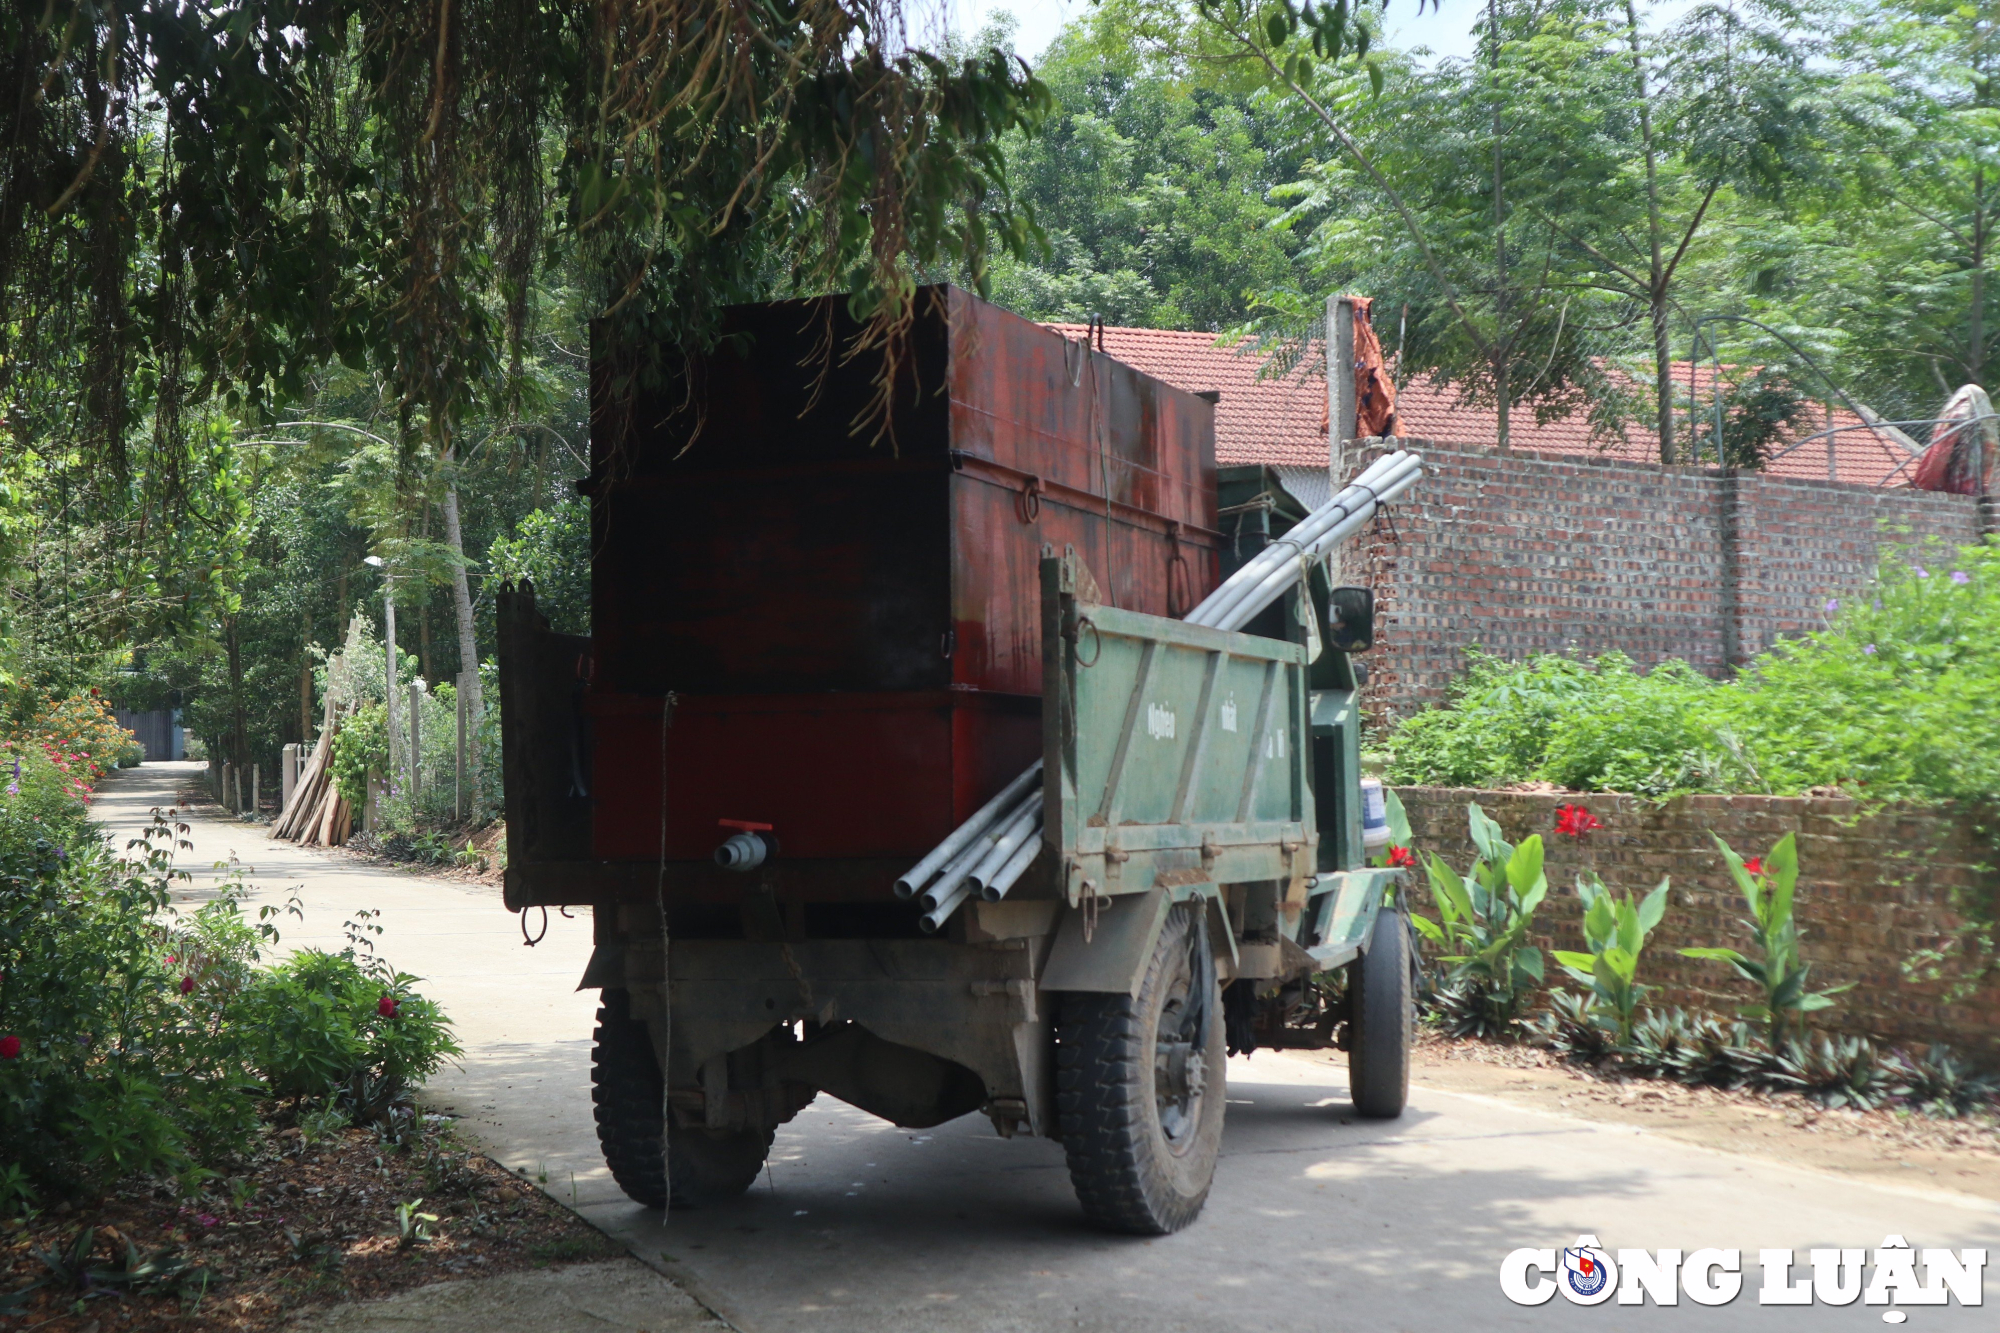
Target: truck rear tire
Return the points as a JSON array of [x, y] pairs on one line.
[[1141, 1111], [708, 1166], [629, 1101], [1378, 1044]]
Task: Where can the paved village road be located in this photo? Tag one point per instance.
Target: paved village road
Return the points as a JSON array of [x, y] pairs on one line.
[[1315, 1223]]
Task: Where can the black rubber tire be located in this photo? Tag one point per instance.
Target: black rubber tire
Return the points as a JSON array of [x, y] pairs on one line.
[[1379, 1029], [629, 1101], [708, 1166], [1127, 1174]]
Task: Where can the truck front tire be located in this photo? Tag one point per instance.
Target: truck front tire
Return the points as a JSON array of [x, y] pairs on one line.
[[1378, 1038], [629, 1100], [1141, 1108]]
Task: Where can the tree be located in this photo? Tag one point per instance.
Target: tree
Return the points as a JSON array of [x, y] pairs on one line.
[[1418, 199], [1151, 180], [1721, 100], [1918, 102]]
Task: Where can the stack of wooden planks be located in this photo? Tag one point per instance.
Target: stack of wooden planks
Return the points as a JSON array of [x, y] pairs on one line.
[[318, 816]]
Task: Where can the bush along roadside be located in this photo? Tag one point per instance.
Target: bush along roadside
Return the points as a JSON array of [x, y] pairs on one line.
[[138, 1040], [1488, 973]]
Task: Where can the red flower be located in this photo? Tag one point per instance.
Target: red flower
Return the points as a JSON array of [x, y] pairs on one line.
[[1576, 821], [386, 1006], [10, 1046], [1401, 856], [1755, 865], [187, 985]]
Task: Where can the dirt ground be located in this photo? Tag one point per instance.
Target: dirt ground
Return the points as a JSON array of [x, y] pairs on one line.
[[1885, 1147], [301, 1223]]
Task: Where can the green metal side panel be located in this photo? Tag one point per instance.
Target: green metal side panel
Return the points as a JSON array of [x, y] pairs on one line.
[[1175, 753]]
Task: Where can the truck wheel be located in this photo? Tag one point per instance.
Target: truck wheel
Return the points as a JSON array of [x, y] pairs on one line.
[[1141, 1108], [711, 1166], [629, 1101], [1378, 1046], [707, 1166]]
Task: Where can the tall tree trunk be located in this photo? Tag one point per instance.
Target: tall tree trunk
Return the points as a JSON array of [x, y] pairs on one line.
[[468, 644], [1656, 290]]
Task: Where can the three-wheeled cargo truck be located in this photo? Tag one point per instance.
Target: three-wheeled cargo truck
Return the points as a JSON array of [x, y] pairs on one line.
[[898, 768]]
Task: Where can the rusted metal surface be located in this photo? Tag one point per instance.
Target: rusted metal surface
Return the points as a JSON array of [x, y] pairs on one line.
[[851, 629]]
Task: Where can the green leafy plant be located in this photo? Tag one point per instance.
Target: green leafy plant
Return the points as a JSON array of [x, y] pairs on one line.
[[1615, 929], [1575, 1026], [1832, 1070], [1937, 1082], [1482, 926], [1695, 1049], [413, 1227], [1768, 885]]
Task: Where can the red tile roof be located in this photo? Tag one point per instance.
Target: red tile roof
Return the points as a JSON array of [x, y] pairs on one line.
[[1281, 420]]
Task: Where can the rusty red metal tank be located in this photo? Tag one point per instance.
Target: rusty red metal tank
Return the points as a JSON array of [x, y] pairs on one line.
[[849, 628]]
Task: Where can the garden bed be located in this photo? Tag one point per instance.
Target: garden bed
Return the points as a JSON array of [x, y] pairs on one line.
[[296, 1222]]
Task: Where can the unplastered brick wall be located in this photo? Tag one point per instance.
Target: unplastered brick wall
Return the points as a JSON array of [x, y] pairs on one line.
[[1522, 553], [1875, 889]]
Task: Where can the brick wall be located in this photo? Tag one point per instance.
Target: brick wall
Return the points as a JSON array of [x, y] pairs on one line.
[[1874, 889], [1523, 553]]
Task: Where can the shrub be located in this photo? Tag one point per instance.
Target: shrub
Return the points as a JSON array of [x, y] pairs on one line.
[[131, 1035], [123, 1061], [342, 1025], [1897, 698]]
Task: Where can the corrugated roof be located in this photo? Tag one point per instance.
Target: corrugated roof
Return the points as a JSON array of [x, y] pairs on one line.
[[1281, 420]]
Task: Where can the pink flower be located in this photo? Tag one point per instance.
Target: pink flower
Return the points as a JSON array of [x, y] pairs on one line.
[[187, 985], [10, 1046], [386, 1006]]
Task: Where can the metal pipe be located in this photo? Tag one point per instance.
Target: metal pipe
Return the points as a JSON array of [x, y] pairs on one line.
[[1357, 493], [1019, 825], [919, 874], [954, 874], [1017, 865], [1383, 478], [933, 921], [1281, 578]]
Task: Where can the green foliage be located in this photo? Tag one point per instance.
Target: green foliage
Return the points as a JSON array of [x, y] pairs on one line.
[[361, 744], [1151, 180], [1482, 926], [133, 1034], [1615, 929], [551, 547], [1576, 1026], [1778, 970], [1940, 1083], [1832, 1070], [128, 1058], [318, 1030], [1897, 698]]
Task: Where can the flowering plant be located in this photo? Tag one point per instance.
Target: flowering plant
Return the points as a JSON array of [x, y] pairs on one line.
[[1576, 821]]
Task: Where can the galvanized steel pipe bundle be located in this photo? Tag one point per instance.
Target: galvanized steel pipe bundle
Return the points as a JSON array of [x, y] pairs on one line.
[[993, 849]]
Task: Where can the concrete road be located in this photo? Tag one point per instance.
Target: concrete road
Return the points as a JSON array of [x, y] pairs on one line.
[[1317, 1221]]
